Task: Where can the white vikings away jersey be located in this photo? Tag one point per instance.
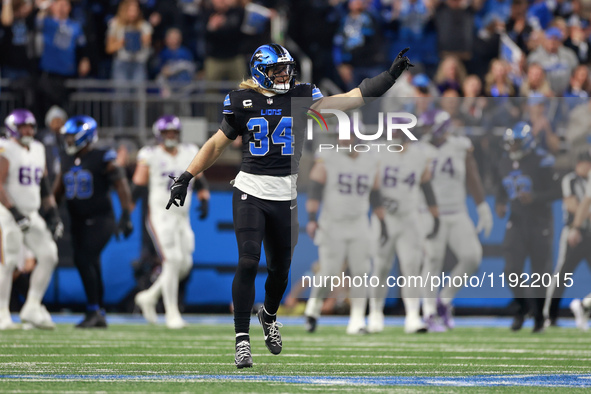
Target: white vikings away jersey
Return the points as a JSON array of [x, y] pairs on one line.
[[162, 164], [449, 174], [400, 177], [348, 184], [25, 171]]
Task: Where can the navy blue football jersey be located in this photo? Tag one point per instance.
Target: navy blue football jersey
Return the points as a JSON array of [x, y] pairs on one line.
[[87, 183], [271, 145], [534, 174]]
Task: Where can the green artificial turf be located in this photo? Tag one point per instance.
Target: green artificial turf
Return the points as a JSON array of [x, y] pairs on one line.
[[116, 359]]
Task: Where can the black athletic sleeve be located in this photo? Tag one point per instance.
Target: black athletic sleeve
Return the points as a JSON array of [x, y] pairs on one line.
[[229, 124], [230, 127]]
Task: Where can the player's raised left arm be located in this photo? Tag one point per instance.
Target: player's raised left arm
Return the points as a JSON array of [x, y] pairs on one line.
[[368, 88], [474, 185]]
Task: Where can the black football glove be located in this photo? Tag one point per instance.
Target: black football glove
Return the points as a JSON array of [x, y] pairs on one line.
[[400, 64], [178, 190], [54, 224], [383, 233], [125, 225], [203, 209], [435, 228], [21, 220]]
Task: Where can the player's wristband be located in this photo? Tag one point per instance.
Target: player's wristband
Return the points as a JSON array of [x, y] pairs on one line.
[[45, 188], [16, 214], [429, 194], [312, 216], [375, 198], [137, 191], [315, 190]]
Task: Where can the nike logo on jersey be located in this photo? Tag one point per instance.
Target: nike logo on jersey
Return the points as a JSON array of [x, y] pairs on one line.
[[292, 208]]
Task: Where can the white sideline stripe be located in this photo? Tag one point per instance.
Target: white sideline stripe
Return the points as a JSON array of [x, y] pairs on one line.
[[305, 355], [432, 373], [441, 349], [435, 339], [39, 364]]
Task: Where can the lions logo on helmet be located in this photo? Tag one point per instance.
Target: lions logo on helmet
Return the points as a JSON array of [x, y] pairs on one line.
[[83, 130], [519, 140], [16, 119], [275, 60]]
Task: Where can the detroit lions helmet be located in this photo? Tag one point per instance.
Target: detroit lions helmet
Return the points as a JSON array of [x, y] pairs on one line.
[[17, 118], [166, 123], [84, 130], [274, 58], [519, 140]]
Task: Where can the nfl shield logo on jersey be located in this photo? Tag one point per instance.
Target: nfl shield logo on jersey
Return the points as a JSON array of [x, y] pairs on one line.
[[244, 196], [269, 101]]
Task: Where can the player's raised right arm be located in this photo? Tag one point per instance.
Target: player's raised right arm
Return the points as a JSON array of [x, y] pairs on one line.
[[204, 159]]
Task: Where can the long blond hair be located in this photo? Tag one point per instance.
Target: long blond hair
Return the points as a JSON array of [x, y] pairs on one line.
[[252, 85], [460, 70], [489, 79]]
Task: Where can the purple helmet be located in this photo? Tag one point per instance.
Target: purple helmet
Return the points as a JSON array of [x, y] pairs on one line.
[[435, 121], [17, 118], [166, 122]]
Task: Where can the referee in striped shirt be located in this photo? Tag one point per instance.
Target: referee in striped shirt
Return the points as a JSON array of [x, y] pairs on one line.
[[574, 188]]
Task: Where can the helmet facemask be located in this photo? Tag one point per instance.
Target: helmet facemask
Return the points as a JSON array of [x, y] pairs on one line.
[[280, 75], [26, 140], [170, 143]]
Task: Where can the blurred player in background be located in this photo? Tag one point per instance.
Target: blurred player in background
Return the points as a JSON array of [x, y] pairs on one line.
[[574, 187], [171, 233], [346, 182], [86, 176], [24, 189], [579, 235], [401, 176], [453, 171], [264, 202], [530, 185]]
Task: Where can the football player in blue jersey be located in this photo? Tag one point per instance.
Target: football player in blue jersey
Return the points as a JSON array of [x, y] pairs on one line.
[[264, 202], [529, 184], [87, 174]]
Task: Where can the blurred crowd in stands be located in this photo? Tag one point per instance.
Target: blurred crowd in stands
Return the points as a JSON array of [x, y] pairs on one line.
[[535, 50]]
